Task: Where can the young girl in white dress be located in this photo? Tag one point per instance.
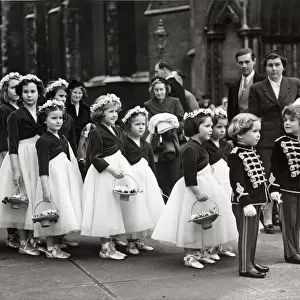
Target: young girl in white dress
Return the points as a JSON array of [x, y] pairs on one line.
[[60, 185], [140, 155], [195, 193], [107, 167], [20, 167], [219, 150]]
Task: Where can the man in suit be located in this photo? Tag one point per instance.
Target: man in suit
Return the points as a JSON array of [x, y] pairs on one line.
[[239, 90], [191, 102], [267, 100], [164, 69]]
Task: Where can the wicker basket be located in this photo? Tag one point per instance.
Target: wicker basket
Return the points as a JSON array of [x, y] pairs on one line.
[[46, 217], [207, 217], [124, 191], [16, 199]]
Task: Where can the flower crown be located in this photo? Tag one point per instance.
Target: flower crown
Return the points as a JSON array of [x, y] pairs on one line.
[[30, 77], [8, 77], [58, 83], [219, 111], [203, 111], [52, 103], [109, 98], [133, 111]]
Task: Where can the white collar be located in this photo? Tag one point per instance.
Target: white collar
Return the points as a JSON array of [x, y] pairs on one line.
[[273, 83], [171, 76], [249, 77]]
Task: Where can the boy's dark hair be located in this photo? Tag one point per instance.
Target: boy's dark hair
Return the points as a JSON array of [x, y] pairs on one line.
[[164, 63], [245, 51]]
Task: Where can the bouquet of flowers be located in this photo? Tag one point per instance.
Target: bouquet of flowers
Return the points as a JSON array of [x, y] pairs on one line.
[[125, 191], [16, 199]]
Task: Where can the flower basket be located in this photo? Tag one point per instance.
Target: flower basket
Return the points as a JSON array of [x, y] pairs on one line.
[[126, 191], [206, 217], [16, 199], [46, 217]]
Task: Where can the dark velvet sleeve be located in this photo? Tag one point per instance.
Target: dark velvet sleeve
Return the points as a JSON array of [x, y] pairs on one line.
[[43, 154], [151, 161], [13, 133], [96, 150], [72, 136], [276, 161], [189, 162], [3, 132]]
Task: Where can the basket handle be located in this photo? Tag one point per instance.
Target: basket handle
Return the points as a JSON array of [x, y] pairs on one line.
[[125, 174], [17, 190], [51, 202], [203, 202]]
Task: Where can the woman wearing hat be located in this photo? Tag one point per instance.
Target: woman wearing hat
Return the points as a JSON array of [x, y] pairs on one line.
[[76, 108]]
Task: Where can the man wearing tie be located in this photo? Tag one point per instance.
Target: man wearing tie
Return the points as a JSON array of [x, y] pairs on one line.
[[267, 100], [239, 90]]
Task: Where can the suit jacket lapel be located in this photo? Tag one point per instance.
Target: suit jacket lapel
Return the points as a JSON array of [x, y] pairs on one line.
[[269, 91], [284, 89]]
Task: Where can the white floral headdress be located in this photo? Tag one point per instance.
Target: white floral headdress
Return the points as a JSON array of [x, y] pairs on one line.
[[57, 83], [30, 77], [8, 77], [109, 98], [219, 111], [203, 111], [52, 103], [133, 111]]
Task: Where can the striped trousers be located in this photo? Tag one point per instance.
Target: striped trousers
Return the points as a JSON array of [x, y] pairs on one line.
[[248, 230], [289, 212]]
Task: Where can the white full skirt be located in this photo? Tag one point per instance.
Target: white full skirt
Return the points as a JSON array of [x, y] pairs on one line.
[[173, 226]]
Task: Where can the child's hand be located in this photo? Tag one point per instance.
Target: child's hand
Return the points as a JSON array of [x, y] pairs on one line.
[[117, 173], [249, 211], [17, 177], [201, 197], [46, 196], [276, 196]]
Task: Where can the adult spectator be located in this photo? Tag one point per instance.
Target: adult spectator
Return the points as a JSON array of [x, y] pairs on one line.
[[164, 69], [191, 102], [239, 90], [267, 100], [165, 143], [206, 102]]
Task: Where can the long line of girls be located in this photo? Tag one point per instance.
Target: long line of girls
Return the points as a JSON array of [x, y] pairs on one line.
[[38, 145]]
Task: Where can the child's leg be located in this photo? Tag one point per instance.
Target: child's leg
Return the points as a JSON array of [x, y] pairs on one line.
[[247, 238], [289, 214], [12, 238], [255, 233]]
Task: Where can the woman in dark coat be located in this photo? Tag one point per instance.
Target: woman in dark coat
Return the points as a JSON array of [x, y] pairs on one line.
[[167, 162], [76, 108]]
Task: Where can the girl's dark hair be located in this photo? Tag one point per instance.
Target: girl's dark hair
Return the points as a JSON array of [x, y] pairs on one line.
[[127, 124], [42, 114], [51, 94], [191, 125], [157, 79], [39, 84], [219, 116]]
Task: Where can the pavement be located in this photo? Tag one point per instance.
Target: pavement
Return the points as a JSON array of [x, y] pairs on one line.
[[159, 274]]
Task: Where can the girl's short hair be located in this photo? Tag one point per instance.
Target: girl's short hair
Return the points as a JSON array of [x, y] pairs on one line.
[[54, 86], [241, 124], [50, 105], [25, 80], [293, 111], [157, 79], [101, 104], [191, 125], [219, 114]]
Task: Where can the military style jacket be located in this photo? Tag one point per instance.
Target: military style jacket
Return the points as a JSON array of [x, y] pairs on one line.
[[285, 165], [247, 177]]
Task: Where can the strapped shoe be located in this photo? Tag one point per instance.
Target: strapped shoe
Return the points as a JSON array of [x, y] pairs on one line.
[[56, 252], [192, 262], [26, 248], [210, 255], [118, 241], [226, 252], [143, 246], [108, 251], [12, 242], [132, 249]]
